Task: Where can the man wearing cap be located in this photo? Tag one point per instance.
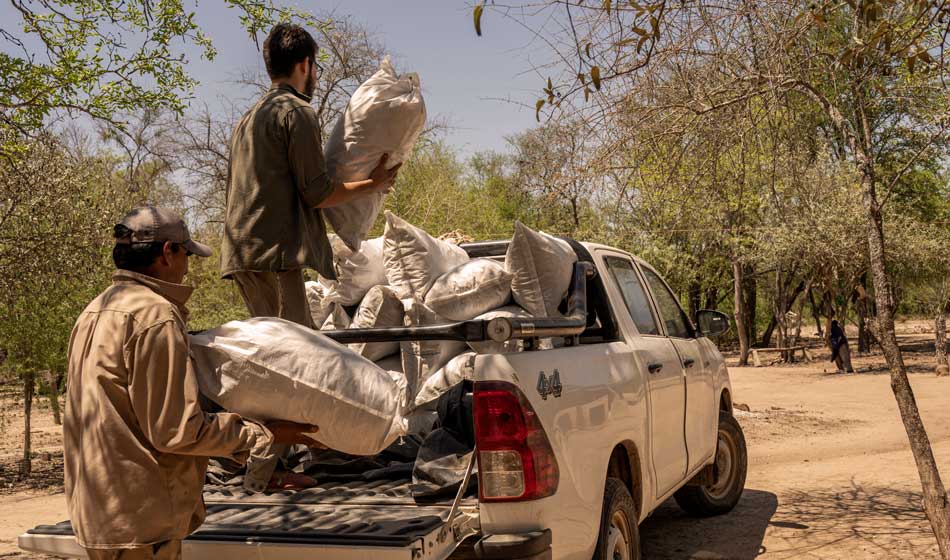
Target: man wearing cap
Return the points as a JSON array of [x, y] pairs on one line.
[[277, 184], [136, 439]]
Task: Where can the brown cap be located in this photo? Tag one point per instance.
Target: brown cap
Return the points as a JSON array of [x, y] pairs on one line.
[[151, 224]]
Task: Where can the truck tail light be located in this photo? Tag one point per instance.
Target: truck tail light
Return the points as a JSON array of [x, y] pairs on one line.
[[515, 458]]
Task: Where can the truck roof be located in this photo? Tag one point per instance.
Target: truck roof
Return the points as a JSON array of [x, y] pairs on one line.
[[498, 248]]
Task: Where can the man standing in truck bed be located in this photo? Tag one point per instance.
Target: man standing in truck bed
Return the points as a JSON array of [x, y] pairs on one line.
[[277, 184]]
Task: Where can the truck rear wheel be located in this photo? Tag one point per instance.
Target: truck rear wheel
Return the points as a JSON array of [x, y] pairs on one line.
[[619, 537], [729, 474]]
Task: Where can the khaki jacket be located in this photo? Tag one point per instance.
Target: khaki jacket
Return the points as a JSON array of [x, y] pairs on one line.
[[136, 439]]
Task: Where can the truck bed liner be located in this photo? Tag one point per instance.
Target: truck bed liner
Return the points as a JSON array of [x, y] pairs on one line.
[[389, 492], [373, 513]]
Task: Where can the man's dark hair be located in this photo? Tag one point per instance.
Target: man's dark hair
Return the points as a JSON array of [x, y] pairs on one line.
[[286, 45], [137, 257]]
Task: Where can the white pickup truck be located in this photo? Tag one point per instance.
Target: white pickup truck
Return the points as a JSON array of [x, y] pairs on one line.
[[575, 444]]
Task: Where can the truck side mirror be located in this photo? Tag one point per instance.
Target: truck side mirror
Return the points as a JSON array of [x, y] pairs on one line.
[[712, 323]]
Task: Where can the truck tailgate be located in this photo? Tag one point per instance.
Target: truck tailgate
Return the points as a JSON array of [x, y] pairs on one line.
[[377, 520]]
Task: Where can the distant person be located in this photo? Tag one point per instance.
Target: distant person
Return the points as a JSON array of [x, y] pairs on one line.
[[136, 439], [277, 184], [840, 351]]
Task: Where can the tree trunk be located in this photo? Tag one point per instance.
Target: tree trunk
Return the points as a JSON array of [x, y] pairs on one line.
[[789, 303], [740, 313], [827, 310], [712, 298], [694, 299], [767, 333], [778, 311], [935, 499], [54, 382], [798, 323], [29, 385], [751, 304], [814, 312], [941, 339], [861, 305]]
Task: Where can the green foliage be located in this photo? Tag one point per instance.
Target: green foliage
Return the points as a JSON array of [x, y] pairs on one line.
[[215, 301], [55, 237], [105, 57]]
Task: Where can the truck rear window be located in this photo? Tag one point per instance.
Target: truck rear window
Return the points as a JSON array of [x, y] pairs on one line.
[[633, 294]]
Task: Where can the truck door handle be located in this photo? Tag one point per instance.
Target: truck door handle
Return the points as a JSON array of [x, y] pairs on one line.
[[688, 362], [654, 367]]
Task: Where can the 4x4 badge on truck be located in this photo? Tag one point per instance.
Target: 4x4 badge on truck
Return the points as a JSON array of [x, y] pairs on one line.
[[549, 385]]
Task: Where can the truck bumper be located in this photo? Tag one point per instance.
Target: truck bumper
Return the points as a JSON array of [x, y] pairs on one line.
[[520, 546]]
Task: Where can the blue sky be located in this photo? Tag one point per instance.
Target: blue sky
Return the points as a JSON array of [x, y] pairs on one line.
[[462, 74]]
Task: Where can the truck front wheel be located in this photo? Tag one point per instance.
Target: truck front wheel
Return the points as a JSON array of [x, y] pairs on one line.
[[619, 537], [729, 472]]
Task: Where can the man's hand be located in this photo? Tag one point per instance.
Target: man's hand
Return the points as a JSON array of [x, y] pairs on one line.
[[383, 178], [379, 181], [292, 432]]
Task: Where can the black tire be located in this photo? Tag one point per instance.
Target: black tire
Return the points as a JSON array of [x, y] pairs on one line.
[[618, 519], [723, 495]]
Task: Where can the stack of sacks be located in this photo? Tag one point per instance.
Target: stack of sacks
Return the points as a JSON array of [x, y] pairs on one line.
[[361, 287], [541, 266], [338, 319], [320, 304], [408, 277], [356, 271], [380, 308], [470, 289], [414, 261]]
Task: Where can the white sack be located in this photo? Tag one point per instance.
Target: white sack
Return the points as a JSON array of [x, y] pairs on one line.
[[337, 320], [541, 266], [268, 368], [414, 259], [356, 271], [422, 358], [319, 301], [380, 308], [385, 116], [459, 368], [470, 289], [492, 347]]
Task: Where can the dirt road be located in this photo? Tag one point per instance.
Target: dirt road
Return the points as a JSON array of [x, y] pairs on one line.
[[830, 474]]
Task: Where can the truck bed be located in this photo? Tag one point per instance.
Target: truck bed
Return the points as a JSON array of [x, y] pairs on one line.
[[373, 517]]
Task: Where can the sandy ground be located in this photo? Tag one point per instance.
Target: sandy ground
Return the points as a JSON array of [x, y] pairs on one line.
[[830, 476], [830, 472]]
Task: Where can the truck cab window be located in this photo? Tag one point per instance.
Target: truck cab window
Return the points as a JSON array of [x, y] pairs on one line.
[[633, 294], [677, 324]]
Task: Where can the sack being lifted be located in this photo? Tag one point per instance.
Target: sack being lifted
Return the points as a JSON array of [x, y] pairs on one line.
[[385, 116], [267, 368]]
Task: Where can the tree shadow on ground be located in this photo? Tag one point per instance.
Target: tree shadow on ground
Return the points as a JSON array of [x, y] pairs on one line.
[[882, 369], [867, 521], [670, 533], [47, 474], [850, 522]]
